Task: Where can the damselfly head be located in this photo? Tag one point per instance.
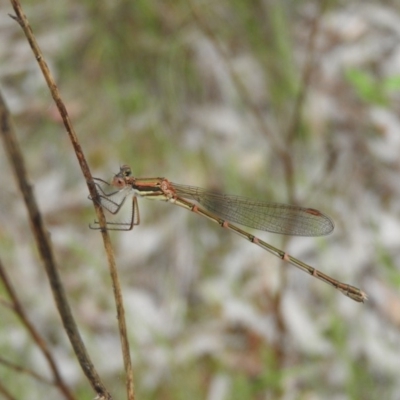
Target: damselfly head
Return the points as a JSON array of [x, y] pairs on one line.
[[119, 179]]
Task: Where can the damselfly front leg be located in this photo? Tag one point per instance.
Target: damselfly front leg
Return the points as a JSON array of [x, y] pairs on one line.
[[113, 202]]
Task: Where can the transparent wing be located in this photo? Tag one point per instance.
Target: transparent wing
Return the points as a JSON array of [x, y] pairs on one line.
[[272, 217]]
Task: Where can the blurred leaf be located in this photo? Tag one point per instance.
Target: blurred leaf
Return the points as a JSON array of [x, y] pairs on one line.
[[392, 84], [368, 89]]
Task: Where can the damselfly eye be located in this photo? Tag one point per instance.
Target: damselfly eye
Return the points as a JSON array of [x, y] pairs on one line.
[[125, 170]]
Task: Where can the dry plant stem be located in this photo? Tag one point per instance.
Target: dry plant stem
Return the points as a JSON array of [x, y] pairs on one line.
[[27, 371], [6, 304], [20, 312], [23, 22], [6, 394], [306, 75], [282, 149], [290, 135], [45, 248]]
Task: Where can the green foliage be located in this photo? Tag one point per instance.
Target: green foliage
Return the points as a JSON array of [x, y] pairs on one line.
[[371, 89]]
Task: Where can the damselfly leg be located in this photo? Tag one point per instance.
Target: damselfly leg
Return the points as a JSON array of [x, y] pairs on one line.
[[113, 200]]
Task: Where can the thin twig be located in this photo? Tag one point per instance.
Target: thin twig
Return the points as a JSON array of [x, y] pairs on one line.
[[45, 249], [306, 74], [20, 312], [6, 304], [43, 243], [27, 371], [22, 20], [6, 394], [283, 147]]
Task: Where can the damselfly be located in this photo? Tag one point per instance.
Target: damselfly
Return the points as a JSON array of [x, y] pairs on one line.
[[223, 209]]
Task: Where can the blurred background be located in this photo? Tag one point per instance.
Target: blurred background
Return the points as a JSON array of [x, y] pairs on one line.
[[294, 102]]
